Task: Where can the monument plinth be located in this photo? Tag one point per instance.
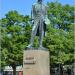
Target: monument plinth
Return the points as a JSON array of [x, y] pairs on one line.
[[36, 62]]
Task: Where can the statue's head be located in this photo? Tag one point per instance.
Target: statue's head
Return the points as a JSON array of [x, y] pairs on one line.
[[40, 1]]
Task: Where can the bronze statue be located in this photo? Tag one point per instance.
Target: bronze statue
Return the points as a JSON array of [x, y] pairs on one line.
[[40, 20]]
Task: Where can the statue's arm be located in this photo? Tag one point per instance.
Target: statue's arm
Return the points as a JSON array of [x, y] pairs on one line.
[[32, 13], [47, 21], [46, 9]]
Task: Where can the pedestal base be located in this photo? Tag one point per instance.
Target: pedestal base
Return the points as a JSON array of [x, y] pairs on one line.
[[36, 62]]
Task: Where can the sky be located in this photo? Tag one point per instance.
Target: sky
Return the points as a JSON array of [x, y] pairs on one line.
[[24, 6]]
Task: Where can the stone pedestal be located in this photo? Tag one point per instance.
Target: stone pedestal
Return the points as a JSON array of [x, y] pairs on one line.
[[36, 62]]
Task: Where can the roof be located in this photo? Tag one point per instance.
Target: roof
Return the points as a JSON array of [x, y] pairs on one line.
[[9, 68]]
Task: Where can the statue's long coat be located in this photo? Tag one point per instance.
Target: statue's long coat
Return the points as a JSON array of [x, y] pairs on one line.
[[39, 13]]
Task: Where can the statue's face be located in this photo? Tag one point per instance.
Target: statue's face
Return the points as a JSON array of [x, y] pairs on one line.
[[40, 1]]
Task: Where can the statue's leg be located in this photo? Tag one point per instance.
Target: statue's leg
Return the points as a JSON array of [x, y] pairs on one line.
[[33, 33], [41, 34]]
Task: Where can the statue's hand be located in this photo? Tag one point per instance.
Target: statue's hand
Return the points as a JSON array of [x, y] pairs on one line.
[[32, 21]]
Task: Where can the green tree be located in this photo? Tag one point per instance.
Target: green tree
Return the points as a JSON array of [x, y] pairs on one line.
[[60, 33], [15, 39]]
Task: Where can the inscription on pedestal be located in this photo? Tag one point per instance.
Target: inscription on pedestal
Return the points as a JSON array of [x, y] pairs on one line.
[[29, 60]]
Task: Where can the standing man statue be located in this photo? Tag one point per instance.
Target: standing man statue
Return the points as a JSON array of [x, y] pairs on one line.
[[40, 20]]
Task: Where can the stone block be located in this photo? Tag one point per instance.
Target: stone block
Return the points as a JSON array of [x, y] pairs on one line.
[[36, 62]]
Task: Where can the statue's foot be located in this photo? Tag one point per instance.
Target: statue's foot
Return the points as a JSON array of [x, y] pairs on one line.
[[41, 47], [29, 46]]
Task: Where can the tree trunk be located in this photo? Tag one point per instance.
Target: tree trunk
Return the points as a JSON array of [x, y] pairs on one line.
[[14, 69]]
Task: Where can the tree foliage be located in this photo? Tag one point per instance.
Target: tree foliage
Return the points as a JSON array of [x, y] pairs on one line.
[[60, 33], [15, 31]]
